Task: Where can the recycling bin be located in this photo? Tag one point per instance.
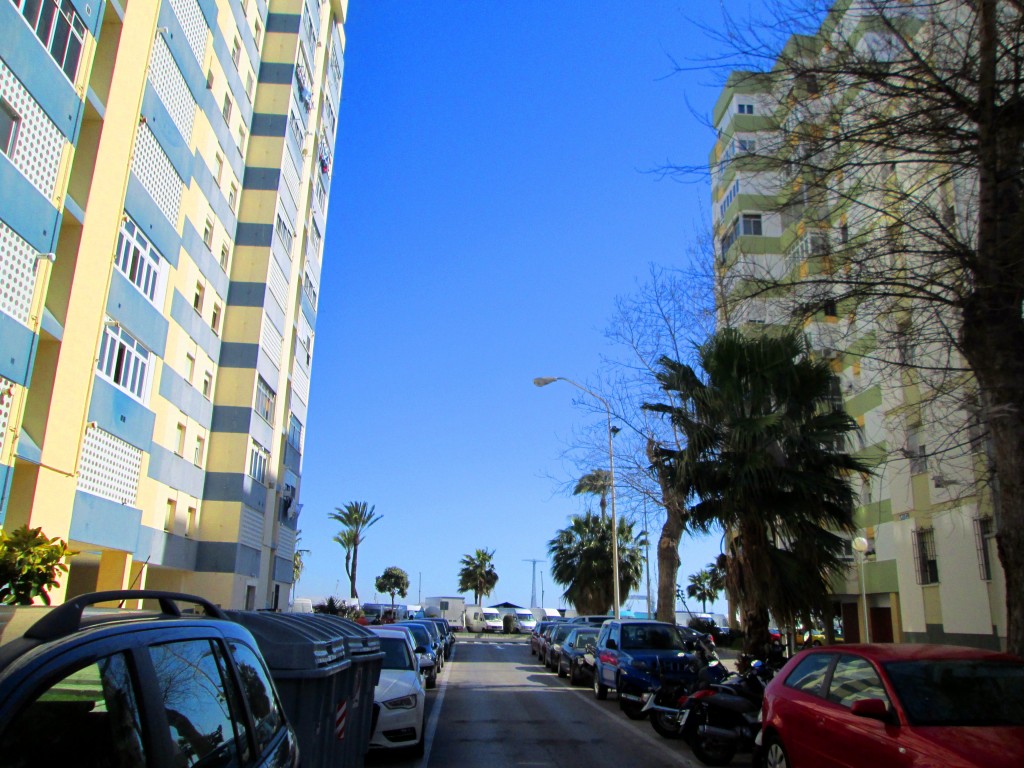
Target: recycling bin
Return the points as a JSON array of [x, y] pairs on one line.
[[308, 658]]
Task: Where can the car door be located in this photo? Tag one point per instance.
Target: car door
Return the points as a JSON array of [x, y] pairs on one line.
[[609, 655], [855, 740], [795, 711]]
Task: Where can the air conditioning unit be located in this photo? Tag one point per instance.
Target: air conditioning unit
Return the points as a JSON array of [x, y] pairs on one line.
[[941, 481]]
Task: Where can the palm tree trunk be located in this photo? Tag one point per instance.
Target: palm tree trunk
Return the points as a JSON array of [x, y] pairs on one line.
[[352, 576]]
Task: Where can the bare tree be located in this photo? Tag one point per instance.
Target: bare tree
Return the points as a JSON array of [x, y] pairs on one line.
[[895, 150]]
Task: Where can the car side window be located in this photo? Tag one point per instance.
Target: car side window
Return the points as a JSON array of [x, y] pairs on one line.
[[196, 702], [259, 693], [809, 674], [88, 718], [602, 639], [854, 679], [614, 636]]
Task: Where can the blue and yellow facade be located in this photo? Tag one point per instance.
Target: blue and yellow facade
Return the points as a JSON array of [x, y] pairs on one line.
[[162, 212]]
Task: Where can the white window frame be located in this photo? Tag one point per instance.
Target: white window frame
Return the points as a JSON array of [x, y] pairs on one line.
[[259, 459], [124, 362], [140, 262]]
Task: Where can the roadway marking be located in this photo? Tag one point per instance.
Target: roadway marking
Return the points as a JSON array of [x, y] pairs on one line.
[[435, 714]]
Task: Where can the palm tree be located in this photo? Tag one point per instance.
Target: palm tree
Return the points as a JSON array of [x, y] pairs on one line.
[[763, 458], [355, 518], [581, 557], [701, 587], [597, 482], [477, 574]]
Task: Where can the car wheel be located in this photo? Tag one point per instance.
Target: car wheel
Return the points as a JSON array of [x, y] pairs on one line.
[[631, 709], [432, 680], [561, 669], [775, 755], [574, 675], [600, 689]]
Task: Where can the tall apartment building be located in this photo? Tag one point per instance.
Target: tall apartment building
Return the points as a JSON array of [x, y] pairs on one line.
[[164, 176], [931, 572]]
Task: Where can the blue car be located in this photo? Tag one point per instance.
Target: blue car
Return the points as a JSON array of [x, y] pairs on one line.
[[572, 661], [634, 656]]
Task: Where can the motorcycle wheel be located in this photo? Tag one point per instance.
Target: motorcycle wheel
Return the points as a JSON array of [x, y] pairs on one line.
[[631, 709], [775, 755], [666, 725], [711, 751]]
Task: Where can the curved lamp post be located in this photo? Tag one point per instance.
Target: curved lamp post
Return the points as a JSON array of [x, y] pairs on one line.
[[543, 381]]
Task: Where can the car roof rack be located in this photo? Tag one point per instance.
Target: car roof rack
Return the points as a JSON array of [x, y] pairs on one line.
[[66, 619]]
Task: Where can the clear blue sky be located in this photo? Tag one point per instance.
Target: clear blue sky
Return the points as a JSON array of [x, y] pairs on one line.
[[489, 204]]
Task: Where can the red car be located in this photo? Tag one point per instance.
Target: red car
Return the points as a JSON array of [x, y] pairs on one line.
[[895, 706]]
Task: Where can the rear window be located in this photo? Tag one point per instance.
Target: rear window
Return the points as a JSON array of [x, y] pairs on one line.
[[652, 637], [396, 653], [960, 692]]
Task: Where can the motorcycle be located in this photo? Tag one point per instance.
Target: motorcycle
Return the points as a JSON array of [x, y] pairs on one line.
[[665, 704], [722, 718]]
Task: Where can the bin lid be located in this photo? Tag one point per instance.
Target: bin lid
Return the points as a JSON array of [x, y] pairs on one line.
[[358, 639], [296, 641]]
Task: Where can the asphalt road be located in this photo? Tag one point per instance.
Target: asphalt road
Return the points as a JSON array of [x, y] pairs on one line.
[[496, 706]]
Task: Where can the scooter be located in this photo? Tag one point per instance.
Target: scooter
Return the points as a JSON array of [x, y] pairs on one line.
[[665, 705], [722, 718]]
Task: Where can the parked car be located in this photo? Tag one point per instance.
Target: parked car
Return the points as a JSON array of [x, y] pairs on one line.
[[573, 654], [543, 639], [399, 701], [553, 647], [895, 705], [535, 640], [446, 633], [637, 655], [98, 687], [422, 644], [436, 640]]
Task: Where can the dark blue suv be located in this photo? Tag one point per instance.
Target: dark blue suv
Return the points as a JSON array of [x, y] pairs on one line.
[[635, 656], [111, 688]]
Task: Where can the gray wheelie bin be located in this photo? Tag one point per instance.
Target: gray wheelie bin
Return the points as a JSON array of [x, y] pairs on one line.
[[308, 659], [362, 647]]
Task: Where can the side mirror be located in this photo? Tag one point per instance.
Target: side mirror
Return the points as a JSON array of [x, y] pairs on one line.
[[876, 709], [420, 649]]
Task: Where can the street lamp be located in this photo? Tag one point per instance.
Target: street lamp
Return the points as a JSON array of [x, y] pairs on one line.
[[861, 545], [543, 381]]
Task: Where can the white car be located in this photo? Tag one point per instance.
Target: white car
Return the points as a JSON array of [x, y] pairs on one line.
[[399, 696]]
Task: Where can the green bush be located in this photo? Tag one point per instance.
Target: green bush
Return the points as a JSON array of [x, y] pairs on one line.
[[30, 563]]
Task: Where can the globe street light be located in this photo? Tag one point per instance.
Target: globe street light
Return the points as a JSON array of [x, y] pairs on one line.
[[861, 545], [543, 381]]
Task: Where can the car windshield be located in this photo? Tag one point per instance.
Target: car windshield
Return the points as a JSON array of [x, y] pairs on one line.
[[396, 653], [581, 639], [959, 692], [653, 637], [419, 633]]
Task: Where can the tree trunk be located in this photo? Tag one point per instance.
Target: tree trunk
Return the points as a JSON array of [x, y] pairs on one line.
[[993, 331], [352, 576], [668, 565]]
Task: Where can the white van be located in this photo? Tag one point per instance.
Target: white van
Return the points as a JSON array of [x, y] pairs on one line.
[[493, 621], [525, 622]]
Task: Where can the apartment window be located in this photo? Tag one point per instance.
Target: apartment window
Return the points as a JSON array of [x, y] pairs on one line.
[[750, 224], [830, 308], [209, 79], [748, 146], [257, 32], [190, 367], [218, 167], [215, 319], [294, 432], [917, 452], [250, 83], [190, 524], [844, 233], [241, 139], [236, 52], [983, 531], [207, 385], [259, 457], [744, 108], [59, 28], [170, 515], [179, 448], [225, 255], [924, 556], [226, 107], [197, 300], [314, 238], [197, 458], [138, 260], [265, 398], [233, 198], [10, 122], [284, 232], [208, 233], [123, 361], [335, 66], [309, 289]]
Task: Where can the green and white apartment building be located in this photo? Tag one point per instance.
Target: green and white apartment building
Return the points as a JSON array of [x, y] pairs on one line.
[[931, 572], [164, 177]]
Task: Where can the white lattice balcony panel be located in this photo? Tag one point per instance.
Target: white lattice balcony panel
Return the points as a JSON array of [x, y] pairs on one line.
[[17, 275], [109, 467]]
